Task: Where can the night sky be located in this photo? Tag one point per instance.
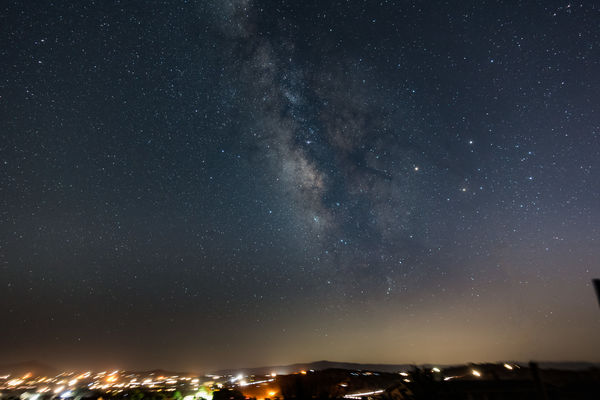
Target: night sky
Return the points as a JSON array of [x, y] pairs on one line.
[[206, 184]]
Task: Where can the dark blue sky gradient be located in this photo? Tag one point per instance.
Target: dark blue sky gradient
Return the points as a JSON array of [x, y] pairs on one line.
[[206, 184]]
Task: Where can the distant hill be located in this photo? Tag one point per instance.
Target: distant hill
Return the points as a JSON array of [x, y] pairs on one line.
[[317, 366], [323, 365], [164, 372], [567, 365], [34, 367], [41, 369]]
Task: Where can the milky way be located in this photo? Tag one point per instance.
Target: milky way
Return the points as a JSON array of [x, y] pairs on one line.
[[233, 183]]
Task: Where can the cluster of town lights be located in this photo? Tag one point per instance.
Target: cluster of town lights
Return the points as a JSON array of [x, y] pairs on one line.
[[66, 384]]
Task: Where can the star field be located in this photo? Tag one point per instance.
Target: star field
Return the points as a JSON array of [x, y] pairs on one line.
[[207, 184]]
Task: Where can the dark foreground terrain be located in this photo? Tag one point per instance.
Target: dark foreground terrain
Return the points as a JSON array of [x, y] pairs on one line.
[[470, 382]]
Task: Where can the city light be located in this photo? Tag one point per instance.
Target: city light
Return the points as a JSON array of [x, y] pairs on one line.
[[15, 382], [205, 393], [364, 394], [476, 373]]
